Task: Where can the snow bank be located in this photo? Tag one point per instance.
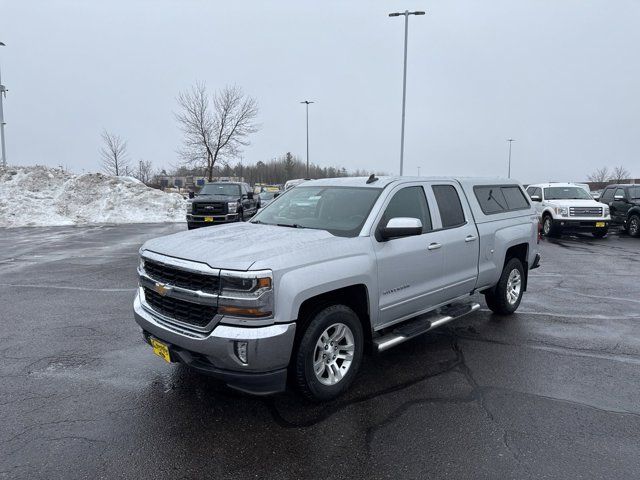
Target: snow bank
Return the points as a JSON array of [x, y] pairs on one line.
[[39, 196]]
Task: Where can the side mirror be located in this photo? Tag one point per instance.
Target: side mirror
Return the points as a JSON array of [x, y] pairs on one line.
[[250, 195], [536, 198], [401, 227], [192, 194], [619, 197]]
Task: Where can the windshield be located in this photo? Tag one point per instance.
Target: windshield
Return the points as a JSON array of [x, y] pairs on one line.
[[220, 189], [267, 195], [341, 211], [634, 193], [566, 193]]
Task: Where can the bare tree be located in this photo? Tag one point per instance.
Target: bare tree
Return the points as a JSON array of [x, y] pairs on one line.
[[115, 160], [600, 175], [144, 173], [215, 128], [619, 174]]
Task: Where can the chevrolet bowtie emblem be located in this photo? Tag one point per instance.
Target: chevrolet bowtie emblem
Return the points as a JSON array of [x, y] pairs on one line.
[[161, 288]]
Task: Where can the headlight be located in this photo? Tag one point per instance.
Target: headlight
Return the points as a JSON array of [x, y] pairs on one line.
[[246, 294], [189, 207], [606, 211], [233, 207], [562, 211]]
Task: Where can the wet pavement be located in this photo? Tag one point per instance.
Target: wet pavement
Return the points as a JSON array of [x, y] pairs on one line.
[[551, 392]]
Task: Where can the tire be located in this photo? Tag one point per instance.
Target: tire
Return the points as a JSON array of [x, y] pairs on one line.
[[633, 226], [600, 233], [505, 297], [335, 321], [548, 230], [241, 216], [190, 226]]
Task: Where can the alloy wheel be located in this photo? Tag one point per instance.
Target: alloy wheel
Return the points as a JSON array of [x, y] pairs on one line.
[[514, 285], [333, 355]]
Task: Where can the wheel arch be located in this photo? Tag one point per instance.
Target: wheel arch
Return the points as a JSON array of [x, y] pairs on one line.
[[355, 296]]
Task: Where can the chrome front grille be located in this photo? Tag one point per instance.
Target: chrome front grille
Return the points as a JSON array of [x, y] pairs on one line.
[[182, 292], [180, 310], [585, 211], [181, 278]]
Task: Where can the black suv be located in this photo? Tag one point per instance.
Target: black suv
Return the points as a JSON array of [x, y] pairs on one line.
[[221, 202], [624, 204]]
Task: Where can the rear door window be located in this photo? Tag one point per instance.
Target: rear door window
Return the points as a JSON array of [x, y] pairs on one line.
[[449, 206]]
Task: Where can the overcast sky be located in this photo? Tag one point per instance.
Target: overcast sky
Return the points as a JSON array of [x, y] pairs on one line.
[[562, 77]]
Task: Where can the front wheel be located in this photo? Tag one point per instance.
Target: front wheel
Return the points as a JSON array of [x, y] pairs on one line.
[[633, 226], [548, 230], [505, 297], [329, 353]]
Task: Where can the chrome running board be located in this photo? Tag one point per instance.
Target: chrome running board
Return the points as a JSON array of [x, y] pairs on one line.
[[422, 324]]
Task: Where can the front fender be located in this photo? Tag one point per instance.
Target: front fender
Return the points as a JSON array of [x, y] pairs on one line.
[[303, 283]]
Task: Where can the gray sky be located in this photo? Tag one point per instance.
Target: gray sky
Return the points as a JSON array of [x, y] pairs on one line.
[[562, 77]]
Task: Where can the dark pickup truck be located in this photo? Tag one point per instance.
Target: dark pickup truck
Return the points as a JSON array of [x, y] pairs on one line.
[[624, 204], [221, 202]]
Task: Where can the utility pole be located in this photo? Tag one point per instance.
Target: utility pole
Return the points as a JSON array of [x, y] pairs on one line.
[[3, 94], [510, 140], [307, 102], [406, 14], [418, 171]]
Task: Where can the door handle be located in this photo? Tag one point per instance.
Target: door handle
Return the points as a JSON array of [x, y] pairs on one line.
[[434, 246], [470, 238]]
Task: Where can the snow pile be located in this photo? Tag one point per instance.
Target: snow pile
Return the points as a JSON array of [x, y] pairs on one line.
[[38, 196]]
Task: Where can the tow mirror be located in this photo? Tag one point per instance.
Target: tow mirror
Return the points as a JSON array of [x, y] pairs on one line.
[[250, 195], [401, 227], [536, 198], [192, 194]]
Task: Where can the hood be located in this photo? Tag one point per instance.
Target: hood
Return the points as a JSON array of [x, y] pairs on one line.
[[214, 198], [237, 246], [575, 203]]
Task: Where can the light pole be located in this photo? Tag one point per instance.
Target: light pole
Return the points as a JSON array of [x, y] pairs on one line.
[[3, 93], [406, 14], [307, 102], [510, 140]]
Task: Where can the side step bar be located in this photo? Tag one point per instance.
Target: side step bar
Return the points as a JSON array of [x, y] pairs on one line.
[[422, 324]]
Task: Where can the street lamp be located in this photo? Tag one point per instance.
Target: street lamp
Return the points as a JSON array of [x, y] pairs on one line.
[[3, 93], [307, 103], [406, 14], [510, 140]]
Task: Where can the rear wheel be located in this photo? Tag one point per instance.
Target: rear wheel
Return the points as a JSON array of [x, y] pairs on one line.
[[633, 225], [505, 297], [329, 353]]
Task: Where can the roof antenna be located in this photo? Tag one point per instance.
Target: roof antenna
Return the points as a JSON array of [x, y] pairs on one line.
[[372, 178]]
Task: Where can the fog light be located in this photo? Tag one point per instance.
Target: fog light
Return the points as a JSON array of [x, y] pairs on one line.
[[241, 351]]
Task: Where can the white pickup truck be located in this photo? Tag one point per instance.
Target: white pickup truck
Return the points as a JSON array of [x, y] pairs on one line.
[[568, 207], [330, 267]]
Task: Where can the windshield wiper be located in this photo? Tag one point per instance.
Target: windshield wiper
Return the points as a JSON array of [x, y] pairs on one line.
[[290, 225]]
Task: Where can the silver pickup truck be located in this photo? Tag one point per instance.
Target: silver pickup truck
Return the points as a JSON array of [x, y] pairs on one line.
[[329, 268]]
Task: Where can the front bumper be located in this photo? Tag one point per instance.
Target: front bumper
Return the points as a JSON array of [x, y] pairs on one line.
[[580, 225], [201, 220], [268, 350]]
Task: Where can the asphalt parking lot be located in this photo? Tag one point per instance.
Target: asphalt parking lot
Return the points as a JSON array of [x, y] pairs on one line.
[[552, 392]]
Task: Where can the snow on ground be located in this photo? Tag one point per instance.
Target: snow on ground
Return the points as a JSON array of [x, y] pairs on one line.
[[43, 196]]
